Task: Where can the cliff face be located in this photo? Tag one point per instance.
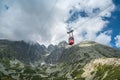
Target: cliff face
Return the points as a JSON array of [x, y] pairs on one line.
[[22, 51]]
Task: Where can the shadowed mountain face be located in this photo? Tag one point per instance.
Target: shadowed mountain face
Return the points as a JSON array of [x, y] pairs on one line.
[[22, 51], [86, 60]]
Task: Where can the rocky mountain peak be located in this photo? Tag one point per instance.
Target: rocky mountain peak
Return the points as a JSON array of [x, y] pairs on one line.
[[62, 44], [51, 47]]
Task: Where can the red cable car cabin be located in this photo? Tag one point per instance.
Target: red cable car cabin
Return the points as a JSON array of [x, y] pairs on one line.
[[71, 38], [71, 41]]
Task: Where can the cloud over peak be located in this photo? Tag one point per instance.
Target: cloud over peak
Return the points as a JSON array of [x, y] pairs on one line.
[[45, 21]]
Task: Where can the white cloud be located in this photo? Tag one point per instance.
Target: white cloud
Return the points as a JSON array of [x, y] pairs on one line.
[[104, 38], [117, 38], [34, 20]]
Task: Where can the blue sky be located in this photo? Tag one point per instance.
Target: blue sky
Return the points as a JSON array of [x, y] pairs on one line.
[[114, 22], [48, 21]]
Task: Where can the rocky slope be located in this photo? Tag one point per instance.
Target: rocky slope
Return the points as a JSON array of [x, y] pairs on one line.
[[84, 61], [88, 50], [102, 69]]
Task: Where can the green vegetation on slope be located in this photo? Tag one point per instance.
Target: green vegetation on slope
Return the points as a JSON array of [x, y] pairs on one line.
[[112, 72]]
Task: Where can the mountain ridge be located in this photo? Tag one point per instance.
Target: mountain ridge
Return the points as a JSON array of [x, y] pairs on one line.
[[58, 62]]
